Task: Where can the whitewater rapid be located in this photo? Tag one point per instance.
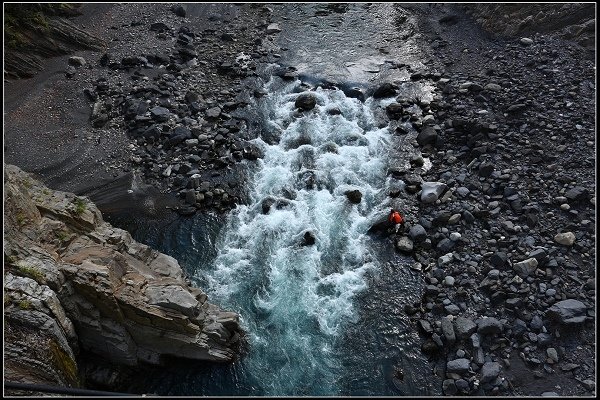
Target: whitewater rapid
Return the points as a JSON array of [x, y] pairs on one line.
[[294, 300]]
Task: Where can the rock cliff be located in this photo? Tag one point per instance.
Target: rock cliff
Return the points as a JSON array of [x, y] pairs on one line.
[[73, 283]]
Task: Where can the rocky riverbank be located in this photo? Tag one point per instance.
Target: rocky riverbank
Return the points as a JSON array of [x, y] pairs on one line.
[[159, 100], [77, 288], [505, 233]]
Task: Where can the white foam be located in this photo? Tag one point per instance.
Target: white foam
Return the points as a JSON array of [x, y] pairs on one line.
[[302, 295]]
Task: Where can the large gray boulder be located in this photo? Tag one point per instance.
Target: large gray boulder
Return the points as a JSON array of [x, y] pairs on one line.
[[459, 366], [431, 191], [489, 326], [306, 101], [490, 371], [526, 267], [428, 135], [567, 312], [464, 327]]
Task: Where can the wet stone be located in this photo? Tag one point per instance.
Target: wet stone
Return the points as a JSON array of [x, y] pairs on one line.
[[459, 366]]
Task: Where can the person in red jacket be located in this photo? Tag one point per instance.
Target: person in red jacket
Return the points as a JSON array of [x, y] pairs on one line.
[[396, 219]]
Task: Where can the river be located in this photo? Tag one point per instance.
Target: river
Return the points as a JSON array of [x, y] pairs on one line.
[[324, 319]]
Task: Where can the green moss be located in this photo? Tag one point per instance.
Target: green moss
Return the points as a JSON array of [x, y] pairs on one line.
[[27, 182], [64, 363], [80, 205], [62, 236], [21, 218], [25, 305], [31, 272]]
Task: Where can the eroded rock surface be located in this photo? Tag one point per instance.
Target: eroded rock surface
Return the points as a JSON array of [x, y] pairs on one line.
[[73, 282]]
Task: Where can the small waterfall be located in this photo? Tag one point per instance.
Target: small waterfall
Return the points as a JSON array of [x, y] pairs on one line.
[[295, 299]]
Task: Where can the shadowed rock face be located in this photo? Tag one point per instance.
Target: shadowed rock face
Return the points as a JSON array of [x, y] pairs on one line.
[[72, 281]]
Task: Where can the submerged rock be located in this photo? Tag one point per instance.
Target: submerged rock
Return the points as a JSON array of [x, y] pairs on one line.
[[355, 196], [306, 101]]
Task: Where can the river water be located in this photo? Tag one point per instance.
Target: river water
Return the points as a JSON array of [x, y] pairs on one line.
[[322, 319]]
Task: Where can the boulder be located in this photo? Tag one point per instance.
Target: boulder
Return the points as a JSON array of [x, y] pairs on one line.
[[308, 239], [404, 244], [306, 101], [428, 135], [566, 238], [179, 10], [354, 196], [417, 233], [567, 312], [489, 326], [77, 61], [385, 90], [526, 267], [464, 327], [459, 366], [490, 371], [394, 110], [431, 191]]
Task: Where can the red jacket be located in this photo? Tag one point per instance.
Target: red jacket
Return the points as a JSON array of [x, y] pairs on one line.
[[396, 218]]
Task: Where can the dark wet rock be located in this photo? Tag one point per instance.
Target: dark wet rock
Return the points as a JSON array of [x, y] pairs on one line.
[[417, 233], [385, 90], [252, 152], [429, 347], [459, 366], [448, 331], [464, 327], [540, 255], [266, 204], [428, 135], [179, 10], [567, 312], [498, 259], [394, 111], [354, 93], [490, 371], [445, 246], [159, 27], [308, 239], [425, 326], [486, 169], [449, 387], [160, 114], [577, 193], [489, 326], [354, 196], [306, 101]]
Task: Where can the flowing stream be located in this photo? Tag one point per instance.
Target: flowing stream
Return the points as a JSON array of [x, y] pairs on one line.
[[327, 318]]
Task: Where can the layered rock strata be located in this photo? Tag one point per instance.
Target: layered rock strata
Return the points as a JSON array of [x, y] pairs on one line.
[[74, 283]]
